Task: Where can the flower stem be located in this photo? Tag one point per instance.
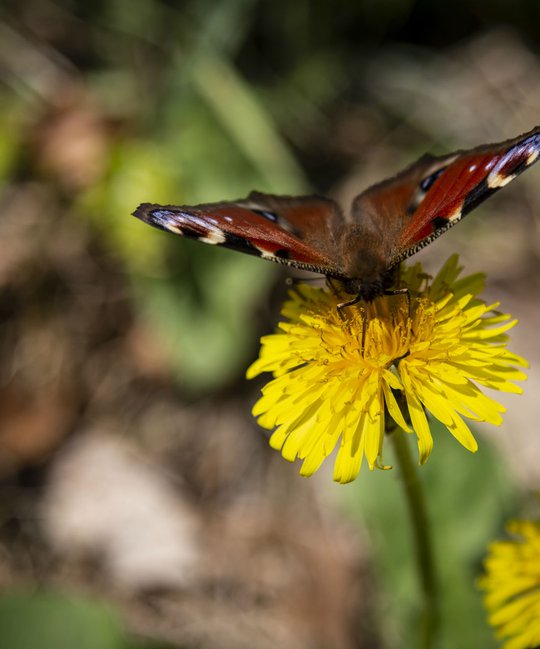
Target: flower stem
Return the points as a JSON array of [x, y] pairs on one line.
[[422, 538]]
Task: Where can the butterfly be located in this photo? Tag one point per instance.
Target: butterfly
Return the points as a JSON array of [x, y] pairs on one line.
[[363, 246]]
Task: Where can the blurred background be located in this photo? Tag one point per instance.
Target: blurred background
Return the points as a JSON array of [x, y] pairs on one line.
[[140, 505]]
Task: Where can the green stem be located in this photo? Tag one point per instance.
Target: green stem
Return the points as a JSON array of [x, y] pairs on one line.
[[422, 538]]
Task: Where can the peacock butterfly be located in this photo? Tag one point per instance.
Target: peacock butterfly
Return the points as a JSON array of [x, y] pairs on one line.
[[387, 223]]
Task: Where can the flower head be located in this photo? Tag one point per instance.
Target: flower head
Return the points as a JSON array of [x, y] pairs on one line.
[[339, 374], [512, 586]]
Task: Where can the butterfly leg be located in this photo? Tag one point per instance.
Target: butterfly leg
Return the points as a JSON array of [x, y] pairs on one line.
[[352, 302], [336, 290], [401, 291]]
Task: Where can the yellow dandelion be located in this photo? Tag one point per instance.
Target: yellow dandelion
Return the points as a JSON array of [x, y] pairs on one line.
[[512, 586], [345, 376]]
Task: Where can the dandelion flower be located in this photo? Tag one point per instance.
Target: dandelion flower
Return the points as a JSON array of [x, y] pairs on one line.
[[347, 376], [512, 586]]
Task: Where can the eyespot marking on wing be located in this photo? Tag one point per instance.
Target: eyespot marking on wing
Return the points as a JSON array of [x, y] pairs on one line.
[[514, 162], [428, 181], [255, 203], [423, 188], [270, 216]]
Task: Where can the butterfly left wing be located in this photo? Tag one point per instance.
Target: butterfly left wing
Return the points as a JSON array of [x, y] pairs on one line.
[[435, 193], [297, 231]]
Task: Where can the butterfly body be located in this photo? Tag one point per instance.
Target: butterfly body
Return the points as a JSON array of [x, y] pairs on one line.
[[387, 223]]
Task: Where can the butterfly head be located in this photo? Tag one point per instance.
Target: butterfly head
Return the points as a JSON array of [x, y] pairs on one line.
[[365, 291]]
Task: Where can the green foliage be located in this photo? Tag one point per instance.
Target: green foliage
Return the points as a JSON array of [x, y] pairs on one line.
[[203, 314], [468, 498], [197, 300]]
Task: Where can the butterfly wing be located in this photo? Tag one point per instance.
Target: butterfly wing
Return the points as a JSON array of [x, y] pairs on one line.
[[388, 223], [435, 193], [297, 231]]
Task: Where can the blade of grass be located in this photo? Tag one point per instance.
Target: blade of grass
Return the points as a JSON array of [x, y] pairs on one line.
[[248, 123]]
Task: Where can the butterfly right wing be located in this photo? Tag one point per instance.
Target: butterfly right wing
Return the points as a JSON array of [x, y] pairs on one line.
[[433, 194], [296, 231]]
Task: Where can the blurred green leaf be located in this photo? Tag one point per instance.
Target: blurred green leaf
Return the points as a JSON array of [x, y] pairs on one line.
[[207, 329], [138, 171], [11, 133], [249, 125], [50, 620]]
